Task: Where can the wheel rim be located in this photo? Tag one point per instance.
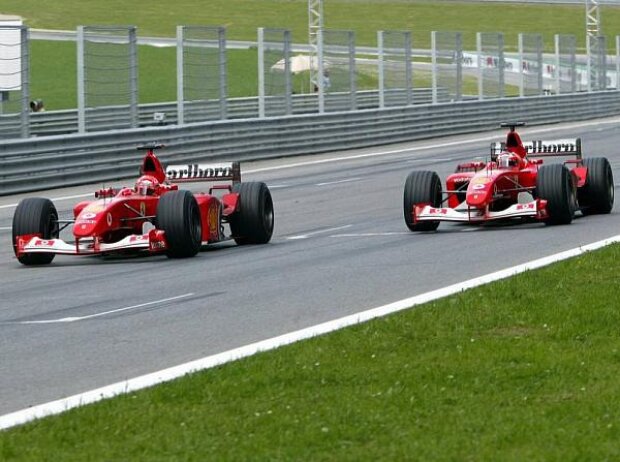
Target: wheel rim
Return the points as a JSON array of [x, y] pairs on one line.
[[610, 185], [268, 215], [195, 227]]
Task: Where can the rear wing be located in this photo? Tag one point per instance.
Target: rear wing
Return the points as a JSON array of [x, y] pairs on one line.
[[204, 172], [538, 148]]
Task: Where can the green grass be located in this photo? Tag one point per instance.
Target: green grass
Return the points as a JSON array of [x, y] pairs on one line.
[[54, 62], [365, 17], [521, 369]]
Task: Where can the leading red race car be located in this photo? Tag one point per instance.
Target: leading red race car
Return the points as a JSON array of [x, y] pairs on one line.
[[512, 185], [154, 216]]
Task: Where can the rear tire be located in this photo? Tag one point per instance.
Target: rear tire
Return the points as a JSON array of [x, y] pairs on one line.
[[555, 185], [253, 222], [597, 195], [178, 216], [35, 215], [421, 187]]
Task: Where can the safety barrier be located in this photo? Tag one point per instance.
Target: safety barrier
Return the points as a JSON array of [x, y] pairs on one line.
[[57, 161], [66, 121]]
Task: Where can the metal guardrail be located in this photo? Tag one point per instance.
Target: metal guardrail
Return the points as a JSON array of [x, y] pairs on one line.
[[66, 121], [58, 161]]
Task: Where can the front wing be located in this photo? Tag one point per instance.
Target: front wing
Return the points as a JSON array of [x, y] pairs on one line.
[[535, 209], [154, 241]]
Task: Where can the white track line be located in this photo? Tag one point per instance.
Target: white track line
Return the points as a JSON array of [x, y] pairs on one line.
[[596, 123], [314, 233], [103, 313], [393, 233], [131, 385], [328, 183]]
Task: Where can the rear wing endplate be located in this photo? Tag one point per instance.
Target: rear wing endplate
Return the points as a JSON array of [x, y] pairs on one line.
[[204, 172], [538, 148]]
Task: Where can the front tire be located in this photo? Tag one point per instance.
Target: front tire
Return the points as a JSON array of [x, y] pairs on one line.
[[253, 222], [178, 216], [35, 215], [597, 195], [421, 187], [555, 185]]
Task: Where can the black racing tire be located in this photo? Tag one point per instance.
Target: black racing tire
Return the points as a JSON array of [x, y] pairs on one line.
[[421, 187], [178, 216], [555, 185], [35, 215], [252, 222], [597, 194]]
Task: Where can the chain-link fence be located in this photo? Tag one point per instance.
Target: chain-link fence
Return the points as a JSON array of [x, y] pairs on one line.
[[339, 72], [491, 65], [395, 71], [447, 66], [617, 62], [201, 73], [107, 77], [565, 64], [14, 82], [530, 64], [274, 72], [597, 63], [108, 89]]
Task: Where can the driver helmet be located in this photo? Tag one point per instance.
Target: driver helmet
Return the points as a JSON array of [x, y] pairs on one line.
[[146, 185], [507, 160]]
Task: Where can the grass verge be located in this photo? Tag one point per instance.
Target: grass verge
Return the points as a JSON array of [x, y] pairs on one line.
[[365, 17], [521, 369]]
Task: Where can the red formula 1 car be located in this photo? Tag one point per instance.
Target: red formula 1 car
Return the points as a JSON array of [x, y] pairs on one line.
[[512, 185], [155, 216]]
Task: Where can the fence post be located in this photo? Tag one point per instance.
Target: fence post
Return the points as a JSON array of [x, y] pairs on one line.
[[261, 73], [381, 69], [81, 97], [180, 77]]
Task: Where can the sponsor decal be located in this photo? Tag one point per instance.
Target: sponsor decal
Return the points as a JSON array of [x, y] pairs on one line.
[[157, 245], [109, 219], [481, 180], [460, 180], [530, 206], [199, 172], [44, 243], [438, 211], [137, 238], [87, 216], [94, 208], [551, 147], [86, 222], [213, 218], [478, 186]]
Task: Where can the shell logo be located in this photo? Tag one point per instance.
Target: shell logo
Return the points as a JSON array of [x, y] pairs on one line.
[[213, 218], [94, 208]]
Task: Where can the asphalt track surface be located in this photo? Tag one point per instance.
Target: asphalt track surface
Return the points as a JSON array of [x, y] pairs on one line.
[[340, 246]]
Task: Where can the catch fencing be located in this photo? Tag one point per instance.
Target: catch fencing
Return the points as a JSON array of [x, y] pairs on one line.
[[14, 82], [201, 74], [108, 91], [107, 74]]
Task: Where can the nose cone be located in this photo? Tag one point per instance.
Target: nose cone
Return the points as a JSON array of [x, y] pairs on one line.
[[89, 220], [479, 192]]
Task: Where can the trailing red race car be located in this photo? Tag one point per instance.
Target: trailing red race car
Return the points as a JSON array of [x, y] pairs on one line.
[[155, 216], [514, 184]]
